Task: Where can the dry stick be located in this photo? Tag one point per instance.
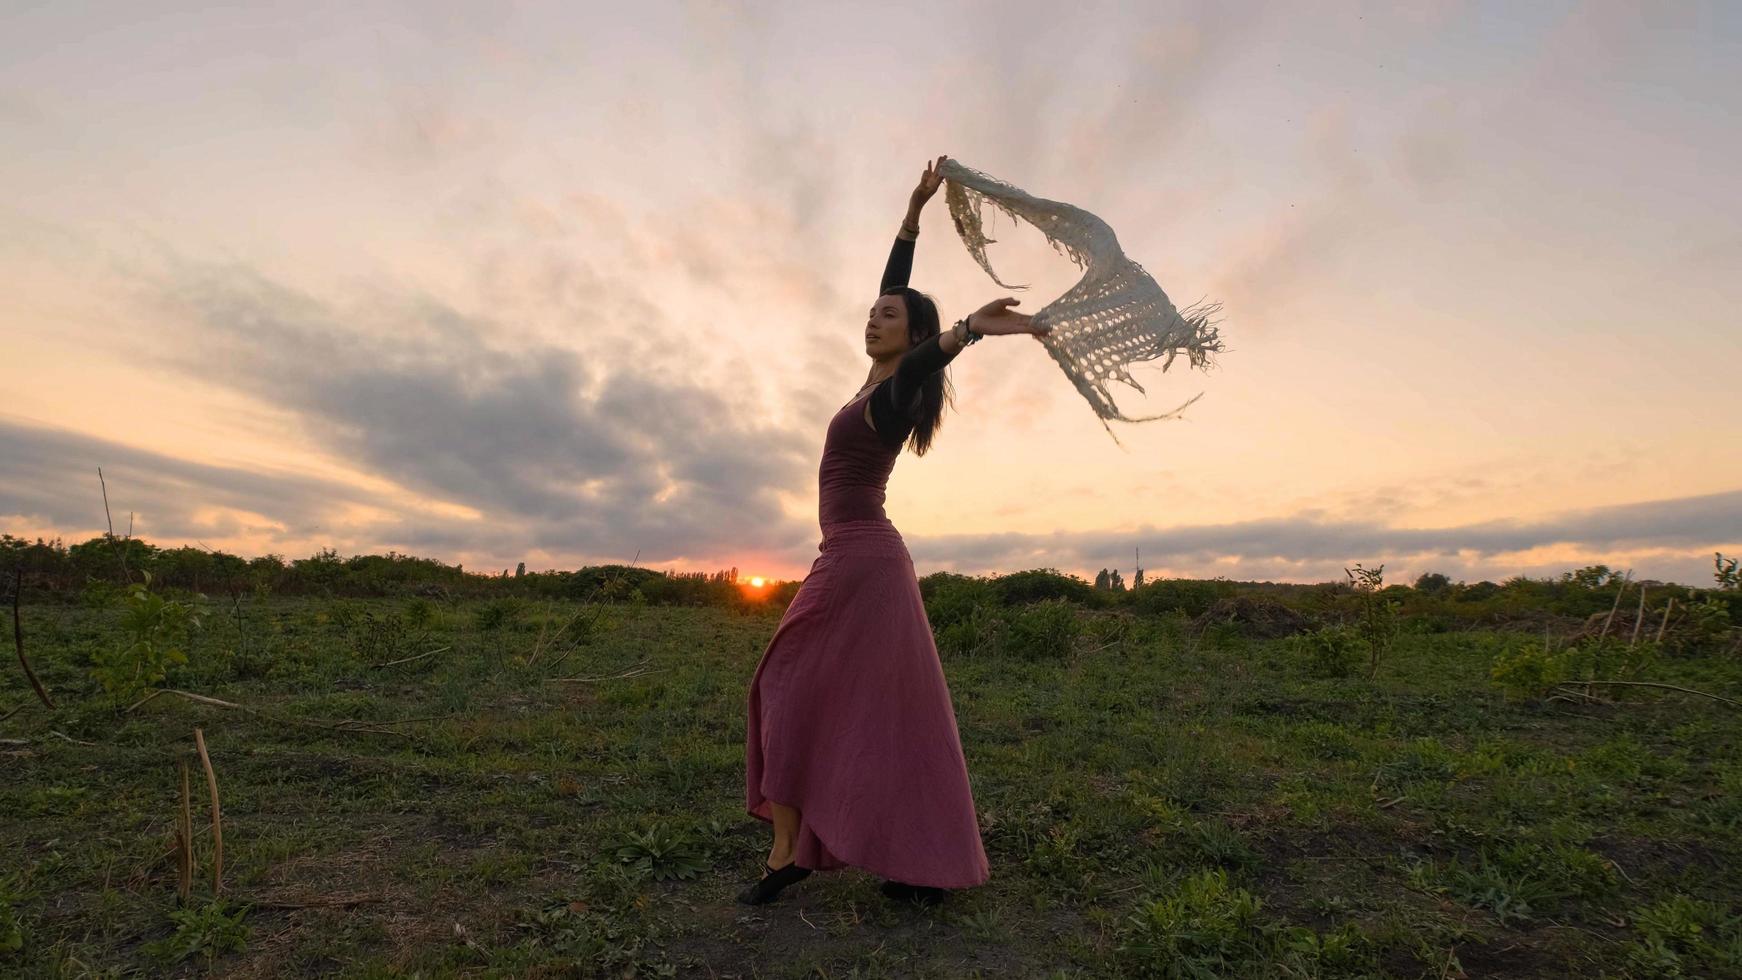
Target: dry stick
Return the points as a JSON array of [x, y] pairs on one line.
[[217, 822], [1665, 624], [1638, 617], [125, 575], [406, 660], [597, 612], [1667, 687], [343, 725], [1618, 594], [18, 639], [184, 833], [11, 713], [634, 670]]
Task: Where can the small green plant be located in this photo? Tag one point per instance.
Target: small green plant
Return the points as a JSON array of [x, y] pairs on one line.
[[1683, 937], [155, 630], [662, 853], [419, 612], [11, 923], [209, 931], [379, 638], [1331, 651], [1521, 881], [1729, 579], [1707, 621], [1206, 928], [1377, 625], [497, 614], [1534, 670]]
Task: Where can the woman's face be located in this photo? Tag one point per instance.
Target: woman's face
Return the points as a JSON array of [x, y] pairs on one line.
[[886, 328]]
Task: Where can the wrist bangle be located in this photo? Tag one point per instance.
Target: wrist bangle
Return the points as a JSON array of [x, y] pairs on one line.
[[911, 231]]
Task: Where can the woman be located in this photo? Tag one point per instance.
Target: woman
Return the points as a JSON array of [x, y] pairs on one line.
[[851, 746]]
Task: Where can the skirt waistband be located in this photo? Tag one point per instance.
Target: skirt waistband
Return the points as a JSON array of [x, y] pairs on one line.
[[862, 538]]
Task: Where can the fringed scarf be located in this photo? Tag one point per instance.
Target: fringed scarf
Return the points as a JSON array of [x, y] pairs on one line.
[[1114, 316]]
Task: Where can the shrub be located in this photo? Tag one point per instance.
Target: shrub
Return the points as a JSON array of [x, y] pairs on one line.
[[1193, 598], [950, 598], [1044, 630], [978, 632], [1034, 585]]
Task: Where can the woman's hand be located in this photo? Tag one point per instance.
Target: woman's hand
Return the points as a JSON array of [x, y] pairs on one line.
[[997, 317], [929, 181]]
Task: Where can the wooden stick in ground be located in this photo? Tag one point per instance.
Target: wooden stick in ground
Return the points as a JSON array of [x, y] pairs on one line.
[[406, 660], [1665, 624], [125, 575], [1638, 617], [1618, 594], [217, 821], [1667, 687], [184, 836], [342, 725], [18, 638]]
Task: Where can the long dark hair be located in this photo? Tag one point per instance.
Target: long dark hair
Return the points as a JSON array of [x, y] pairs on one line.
[[936, 391]]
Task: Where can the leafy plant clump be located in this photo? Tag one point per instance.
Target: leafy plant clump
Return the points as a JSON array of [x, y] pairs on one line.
[[155, 630], [1044, 630], [1331, 651], [662, 852], [208, 931], [1210, 928]]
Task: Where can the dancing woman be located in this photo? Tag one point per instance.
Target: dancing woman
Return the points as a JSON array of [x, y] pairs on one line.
[[851, 746]]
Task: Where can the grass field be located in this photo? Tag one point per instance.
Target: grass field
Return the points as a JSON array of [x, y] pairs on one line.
[[1156, 800]]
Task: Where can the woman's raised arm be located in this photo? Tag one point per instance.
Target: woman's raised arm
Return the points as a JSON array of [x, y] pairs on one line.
[[899, 268]]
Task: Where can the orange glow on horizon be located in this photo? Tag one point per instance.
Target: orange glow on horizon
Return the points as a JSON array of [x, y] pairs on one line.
[[756, 582]]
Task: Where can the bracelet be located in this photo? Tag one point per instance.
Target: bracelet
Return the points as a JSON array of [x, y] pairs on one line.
[[969, 334], [911, 231]]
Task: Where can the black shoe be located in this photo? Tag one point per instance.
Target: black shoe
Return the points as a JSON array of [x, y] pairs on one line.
[[900, 891], [771, 884]]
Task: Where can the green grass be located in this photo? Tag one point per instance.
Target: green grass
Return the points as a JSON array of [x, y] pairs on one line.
[[1154, 802]]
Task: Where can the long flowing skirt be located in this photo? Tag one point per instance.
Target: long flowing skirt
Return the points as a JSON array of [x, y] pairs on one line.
[[849, 721]]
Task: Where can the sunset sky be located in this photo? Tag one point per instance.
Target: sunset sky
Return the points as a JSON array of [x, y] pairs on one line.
[[565, 283]]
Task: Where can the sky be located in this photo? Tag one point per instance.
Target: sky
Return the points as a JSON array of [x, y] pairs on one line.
[[575, 283]]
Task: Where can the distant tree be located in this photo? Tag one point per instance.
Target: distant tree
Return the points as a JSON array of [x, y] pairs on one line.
[[1103, 580], [1433, 583], [1591, 577], [1116, 583], [1137, 578]]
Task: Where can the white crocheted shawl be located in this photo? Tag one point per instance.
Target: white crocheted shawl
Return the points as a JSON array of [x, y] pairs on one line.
[[1114, 316]]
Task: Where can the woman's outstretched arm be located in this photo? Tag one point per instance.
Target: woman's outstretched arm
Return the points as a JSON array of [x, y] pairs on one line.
[[899, 268]]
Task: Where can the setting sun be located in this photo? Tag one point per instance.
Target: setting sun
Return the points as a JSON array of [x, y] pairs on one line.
[[756, 582]]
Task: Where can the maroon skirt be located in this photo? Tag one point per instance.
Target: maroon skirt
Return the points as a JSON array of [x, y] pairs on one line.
[[850, 722]]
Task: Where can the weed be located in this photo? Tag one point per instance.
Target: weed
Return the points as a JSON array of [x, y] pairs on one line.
[[662, 853], [209, 930], [1330, 651], [155, 630]]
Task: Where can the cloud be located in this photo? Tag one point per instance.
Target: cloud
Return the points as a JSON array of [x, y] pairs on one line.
[[559, 450], [50, 478], [1301, 546]]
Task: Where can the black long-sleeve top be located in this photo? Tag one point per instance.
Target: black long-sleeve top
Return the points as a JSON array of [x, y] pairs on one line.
[[896, 400]]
